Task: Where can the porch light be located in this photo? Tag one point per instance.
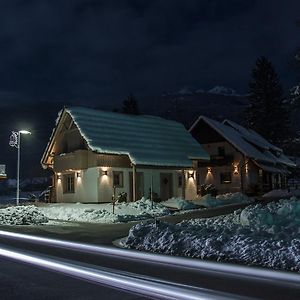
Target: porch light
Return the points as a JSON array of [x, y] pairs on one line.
[[209, 170], [104, 172], [58, 176], [191, 174], [235, 170], [78, 174]]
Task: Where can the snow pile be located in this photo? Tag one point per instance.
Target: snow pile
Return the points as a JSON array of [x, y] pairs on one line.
[[282, 194], [103, 213], [224, 199], [179, 203], [22, 215], [258, 235]]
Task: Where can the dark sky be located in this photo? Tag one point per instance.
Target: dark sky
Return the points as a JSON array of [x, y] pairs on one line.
[[97, 51]]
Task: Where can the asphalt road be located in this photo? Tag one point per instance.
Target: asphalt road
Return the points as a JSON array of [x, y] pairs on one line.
[[20, 281]]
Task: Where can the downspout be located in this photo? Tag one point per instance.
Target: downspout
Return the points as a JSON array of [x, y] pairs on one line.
[[134, 194]]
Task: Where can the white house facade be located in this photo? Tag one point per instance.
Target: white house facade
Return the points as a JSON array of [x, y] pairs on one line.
[[97, 156]]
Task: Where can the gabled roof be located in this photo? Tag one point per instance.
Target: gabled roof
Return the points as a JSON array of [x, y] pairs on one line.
[[248, 142], [252, 136], [147, 140]]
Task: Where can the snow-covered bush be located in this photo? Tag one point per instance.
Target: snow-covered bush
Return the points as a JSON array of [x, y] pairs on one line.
[[22, 215]]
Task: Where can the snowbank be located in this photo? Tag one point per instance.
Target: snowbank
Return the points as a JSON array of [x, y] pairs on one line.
[[103, 213], [22, 215], [282, 193], [257, 235], [224, 199], [179, 203]]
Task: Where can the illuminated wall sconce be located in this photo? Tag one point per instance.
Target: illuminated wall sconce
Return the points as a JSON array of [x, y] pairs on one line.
[[78, 174], [104, 172], [235, 169], [191, 174], [209, 170], [58, 176], [246, 168]]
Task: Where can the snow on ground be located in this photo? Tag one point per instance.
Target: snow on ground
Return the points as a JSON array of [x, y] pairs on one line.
[[264, 235], [22, 215], [103, 213], [282, 193], [223, 199], [179, 203]]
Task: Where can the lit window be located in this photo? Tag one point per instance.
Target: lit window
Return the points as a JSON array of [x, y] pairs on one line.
[[68, 181], [118, 179], [225, 177]]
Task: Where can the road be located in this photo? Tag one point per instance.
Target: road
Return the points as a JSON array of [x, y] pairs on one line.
[[23, 281]]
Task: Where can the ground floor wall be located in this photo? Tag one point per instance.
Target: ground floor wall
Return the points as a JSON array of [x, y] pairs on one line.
[[101, 184]]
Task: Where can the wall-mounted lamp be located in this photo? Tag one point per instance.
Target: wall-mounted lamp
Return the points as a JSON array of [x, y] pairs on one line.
[[246, 168], [104, 172], [209, 170], [58, 176], [235, 169], [191, 174], [78, 174]]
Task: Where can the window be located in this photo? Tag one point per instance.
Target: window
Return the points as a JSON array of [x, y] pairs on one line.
[[225, 177], [221, 151], [179, 180], [117, 178], [69, 183]]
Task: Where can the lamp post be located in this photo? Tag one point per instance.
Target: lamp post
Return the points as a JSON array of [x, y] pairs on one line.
[[15, 141]]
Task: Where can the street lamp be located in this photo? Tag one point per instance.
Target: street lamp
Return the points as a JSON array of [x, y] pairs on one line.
[[15, 141]]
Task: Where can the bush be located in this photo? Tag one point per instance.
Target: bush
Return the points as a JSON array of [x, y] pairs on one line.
[[208, 189]]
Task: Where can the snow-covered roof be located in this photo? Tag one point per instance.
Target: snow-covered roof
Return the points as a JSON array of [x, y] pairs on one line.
[[248, 142], [252, 136], [147, 140]]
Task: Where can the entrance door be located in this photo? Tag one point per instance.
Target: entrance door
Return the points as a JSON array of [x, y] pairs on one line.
[[139, 185], [166, 186]]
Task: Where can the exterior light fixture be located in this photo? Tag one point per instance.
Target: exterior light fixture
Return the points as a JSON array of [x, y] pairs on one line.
[[235, 169], [58, 176], [209, 170], [191, 174], [104, 172], [246, 168], [78, 174]]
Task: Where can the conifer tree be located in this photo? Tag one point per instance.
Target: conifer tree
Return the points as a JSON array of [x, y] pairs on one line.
[[266, 113], [130, 106]]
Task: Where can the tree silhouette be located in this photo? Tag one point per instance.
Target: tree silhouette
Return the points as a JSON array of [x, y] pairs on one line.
[[130, 106], [266, 113]]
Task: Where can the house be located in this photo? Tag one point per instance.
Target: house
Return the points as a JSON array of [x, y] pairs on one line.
[[240, 159], [97, 155]]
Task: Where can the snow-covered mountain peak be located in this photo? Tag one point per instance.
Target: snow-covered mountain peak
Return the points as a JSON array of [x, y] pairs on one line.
[[222, 90]]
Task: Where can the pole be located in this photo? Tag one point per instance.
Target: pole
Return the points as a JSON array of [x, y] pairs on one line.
[[134, 190], [151, 189], [18, 168]]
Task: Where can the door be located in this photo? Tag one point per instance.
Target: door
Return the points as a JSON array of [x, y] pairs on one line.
[[139, 185], [166, 186]]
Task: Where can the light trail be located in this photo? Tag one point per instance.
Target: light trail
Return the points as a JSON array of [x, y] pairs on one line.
[[222, 269], [146, 286]]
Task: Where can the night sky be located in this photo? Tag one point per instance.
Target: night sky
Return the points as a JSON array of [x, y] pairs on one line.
[[92, 52]]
